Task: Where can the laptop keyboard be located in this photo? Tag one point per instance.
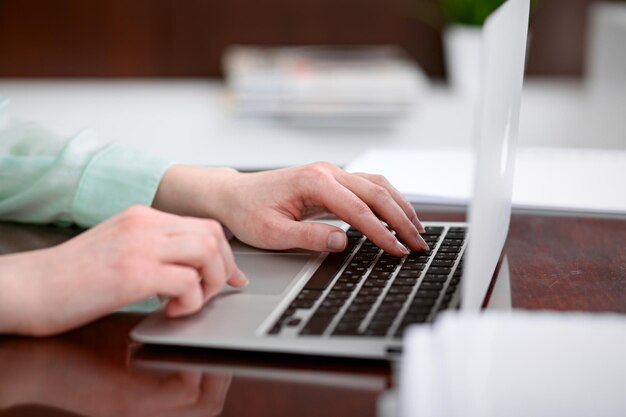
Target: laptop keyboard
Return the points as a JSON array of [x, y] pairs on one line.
[[364, 291]]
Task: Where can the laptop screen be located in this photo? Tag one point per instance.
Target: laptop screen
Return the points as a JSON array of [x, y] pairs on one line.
[[503, 57]]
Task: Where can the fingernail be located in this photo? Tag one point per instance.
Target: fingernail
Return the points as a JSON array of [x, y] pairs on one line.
[[422, 243], [402, 248], [418, 225], [336, 241], [242, 279]]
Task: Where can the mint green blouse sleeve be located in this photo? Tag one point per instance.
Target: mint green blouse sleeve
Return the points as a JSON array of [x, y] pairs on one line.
[[46, 178]]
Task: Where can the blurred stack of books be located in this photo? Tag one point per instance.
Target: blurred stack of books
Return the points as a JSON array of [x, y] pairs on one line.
[[360, 86]]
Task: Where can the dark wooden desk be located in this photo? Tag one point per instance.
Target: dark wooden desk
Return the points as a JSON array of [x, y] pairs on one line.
[[560, 263]]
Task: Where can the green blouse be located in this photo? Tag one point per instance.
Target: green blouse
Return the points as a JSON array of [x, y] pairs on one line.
[[47, 178]]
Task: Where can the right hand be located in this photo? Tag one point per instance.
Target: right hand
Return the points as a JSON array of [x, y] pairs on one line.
[[136, 254]]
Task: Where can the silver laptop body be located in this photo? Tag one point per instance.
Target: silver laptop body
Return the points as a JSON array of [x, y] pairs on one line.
[[281, 310]]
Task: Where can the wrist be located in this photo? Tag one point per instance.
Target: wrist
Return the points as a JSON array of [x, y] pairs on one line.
[[195, 191]]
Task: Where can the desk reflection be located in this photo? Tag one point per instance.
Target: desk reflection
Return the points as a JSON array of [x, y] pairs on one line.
[[64, 378]]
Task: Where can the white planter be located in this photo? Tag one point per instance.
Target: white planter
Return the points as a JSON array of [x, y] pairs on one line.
[[462, 46]]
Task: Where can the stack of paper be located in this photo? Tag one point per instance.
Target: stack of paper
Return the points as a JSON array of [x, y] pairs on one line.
[[562, 179], [369, 84], [515, 364]]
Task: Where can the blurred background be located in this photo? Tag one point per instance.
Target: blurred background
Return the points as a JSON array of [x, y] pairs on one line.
[[156, 38], [268, 83]]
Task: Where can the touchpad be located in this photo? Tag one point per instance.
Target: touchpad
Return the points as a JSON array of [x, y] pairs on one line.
[[270, 273]]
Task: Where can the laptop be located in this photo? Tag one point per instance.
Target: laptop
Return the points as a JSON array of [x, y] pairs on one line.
[[358, 303]]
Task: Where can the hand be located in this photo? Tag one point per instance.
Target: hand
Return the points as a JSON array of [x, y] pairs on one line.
[[265, 209], [134, 255]]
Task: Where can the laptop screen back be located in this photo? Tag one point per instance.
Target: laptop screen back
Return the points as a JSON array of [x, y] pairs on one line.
[[503, 56]]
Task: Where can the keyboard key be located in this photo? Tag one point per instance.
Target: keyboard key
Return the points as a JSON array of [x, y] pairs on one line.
[[346, 329], [409, 274], [383, 326], [364, 299], [452, 242], [327, 271], [455, 235], [417, 309], [427, 294], [369, 249], [359, 308], [304, 304], [417, 257], [353, 232], [328, 310], [317, 324], [370, 291], [350, 278], [364, 256], [345, 286], [379, 275], [400, 290], [293, 322], [333, 302], [407, 282], [431, 286], [452, 249], [435, 278], [385, 315], [440, 270], [389, 306], [275, 329], [442, 262], [396, 297], [447, 256], [412, 267], [375, 332], [309, 295], [338, 294], [415, 318], [432, 230], [380, 283], [423, 302]]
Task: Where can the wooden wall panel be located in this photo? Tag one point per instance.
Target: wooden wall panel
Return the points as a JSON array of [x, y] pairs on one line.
[[187, 37]]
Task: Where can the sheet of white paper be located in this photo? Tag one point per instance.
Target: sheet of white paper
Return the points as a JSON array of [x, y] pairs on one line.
[[592, 180], [515, 364]]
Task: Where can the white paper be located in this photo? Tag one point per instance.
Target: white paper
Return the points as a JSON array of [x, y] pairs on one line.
[[515, 364], [564, 179]]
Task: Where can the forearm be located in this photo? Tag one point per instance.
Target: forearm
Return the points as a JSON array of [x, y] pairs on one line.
[[195, 191], [13, 297]]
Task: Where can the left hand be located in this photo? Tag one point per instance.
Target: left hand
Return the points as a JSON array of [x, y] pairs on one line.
[[266, 209]]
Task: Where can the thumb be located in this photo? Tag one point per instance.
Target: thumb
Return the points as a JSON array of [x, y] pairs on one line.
[[320, 237]]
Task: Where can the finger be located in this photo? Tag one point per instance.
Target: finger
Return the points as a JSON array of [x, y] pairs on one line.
[[348, 207], [384, 205], [397, 196], [182, 285], [214, 390], [320, 237], [235, 277], [205, 253]]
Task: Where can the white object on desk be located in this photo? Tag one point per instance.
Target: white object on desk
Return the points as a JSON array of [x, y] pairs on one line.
[[606, 54], [515, 364], [356, 85], [588, 180]]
